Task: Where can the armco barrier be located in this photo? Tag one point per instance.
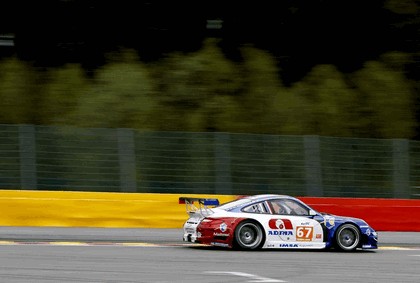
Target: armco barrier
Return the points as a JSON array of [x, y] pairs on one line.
[[382, 214], [89, 209], [137, 210]]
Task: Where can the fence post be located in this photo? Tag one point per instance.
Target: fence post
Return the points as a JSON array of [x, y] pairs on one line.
[[223, 180], [313, 172], [127, 160], [401, 168], [27, 149]]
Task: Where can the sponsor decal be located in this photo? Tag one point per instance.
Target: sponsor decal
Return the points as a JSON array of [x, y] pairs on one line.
[[306, 245], [288, 245], [221, 234], [280, 233], [367, 232], [223, 227], [281, 227], [280, 223], [304, 233], [219, 244], [318, 236], [329, 221]]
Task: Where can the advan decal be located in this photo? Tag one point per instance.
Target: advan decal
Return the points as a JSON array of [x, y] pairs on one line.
[[279, 223], [280, 227]]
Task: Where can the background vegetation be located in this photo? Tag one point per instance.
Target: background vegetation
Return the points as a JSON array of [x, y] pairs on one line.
[[348, 69]]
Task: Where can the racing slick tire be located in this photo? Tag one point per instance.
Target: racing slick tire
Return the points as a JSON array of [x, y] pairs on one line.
[[347, 237], [249, 235]]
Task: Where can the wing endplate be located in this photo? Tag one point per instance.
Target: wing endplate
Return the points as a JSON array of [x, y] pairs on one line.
[[199, 206], [203, 201]]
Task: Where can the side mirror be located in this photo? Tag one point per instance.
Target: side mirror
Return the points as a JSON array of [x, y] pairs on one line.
[[312, 212]]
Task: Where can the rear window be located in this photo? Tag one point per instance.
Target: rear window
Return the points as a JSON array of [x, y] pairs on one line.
[[235, 203], [256, 208]]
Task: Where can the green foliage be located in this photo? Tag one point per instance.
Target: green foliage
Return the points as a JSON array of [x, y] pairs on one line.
[[388, 100], [324, 104], [16, 83], [404, 7], [121, 95], [261, 85], [65, 87], [196, 90], [205, 91]]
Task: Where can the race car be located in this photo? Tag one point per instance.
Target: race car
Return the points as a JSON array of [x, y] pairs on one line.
[[271, 221]]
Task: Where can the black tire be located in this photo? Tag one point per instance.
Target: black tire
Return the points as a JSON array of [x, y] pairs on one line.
[[347, 237], [249, 235]]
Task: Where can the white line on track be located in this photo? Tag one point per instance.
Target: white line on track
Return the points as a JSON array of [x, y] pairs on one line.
[[394, 248], [251, 277]]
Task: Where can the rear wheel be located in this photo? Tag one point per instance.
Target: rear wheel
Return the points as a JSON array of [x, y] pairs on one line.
[[249, 235], [347, 237]]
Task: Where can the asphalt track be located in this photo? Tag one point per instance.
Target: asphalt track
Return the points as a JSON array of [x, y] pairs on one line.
[[33, 254]]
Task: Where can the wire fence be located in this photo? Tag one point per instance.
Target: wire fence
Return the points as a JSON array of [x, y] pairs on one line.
[[126, 160]]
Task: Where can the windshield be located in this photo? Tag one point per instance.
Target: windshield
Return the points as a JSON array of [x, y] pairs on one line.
[[235, 203]]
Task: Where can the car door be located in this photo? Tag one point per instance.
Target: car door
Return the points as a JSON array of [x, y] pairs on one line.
[[290, 226]]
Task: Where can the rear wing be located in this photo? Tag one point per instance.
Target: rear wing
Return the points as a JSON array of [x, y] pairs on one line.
[[199, 205]]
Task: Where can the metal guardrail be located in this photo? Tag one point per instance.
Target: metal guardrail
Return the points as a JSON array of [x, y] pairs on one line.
[[127, 160]]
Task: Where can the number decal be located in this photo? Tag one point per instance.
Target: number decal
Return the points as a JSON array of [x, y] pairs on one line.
[[304, 233]]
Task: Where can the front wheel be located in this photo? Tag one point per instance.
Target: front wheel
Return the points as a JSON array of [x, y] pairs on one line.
[[347, 237], [249, 235]]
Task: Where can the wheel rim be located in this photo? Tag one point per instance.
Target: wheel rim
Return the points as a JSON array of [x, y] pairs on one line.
[[250, 235], [348, 238]]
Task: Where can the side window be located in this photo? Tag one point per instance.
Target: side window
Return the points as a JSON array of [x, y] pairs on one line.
[[256, 208], [288, 207], [297, 208], [279, 207]]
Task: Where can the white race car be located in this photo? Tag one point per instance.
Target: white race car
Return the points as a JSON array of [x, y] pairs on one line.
[[272, 221]]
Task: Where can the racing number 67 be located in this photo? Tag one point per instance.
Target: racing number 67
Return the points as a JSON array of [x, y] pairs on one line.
[[304, 233]]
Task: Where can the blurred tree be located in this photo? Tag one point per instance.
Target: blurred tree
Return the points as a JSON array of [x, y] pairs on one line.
[[185, 92], [121, 95], [196, 89], [18, 89], [60, 96], [388, 99], [328, 105], [261, 85]]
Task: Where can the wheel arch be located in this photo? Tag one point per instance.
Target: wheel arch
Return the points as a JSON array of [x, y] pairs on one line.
[[235, 244], [348, 223]]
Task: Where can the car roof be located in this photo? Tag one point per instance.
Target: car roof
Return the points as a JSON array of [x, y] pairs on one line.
[[262, 197], [243, 201]]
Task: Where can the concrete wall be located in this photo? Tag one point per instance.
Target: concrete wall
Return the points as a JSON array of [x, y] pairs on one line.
[[381, 214], [88, 209], [135, 210]]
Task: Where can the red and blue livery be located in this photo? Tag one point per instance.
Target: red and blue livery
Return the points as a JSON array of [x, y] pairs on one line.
[[271, 221]]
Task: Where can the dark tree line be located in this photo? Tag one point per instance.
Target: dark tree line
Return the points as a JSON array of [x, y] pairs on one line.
[[300, 33], [370, 48]]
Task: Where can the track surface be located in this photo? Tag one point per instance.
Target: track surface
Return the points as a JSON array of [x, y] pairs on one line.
[[158, 255]]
